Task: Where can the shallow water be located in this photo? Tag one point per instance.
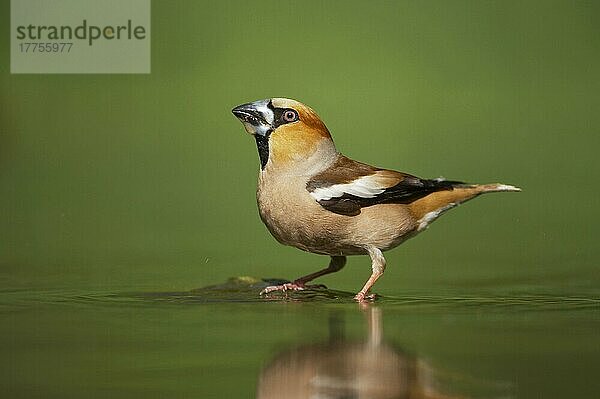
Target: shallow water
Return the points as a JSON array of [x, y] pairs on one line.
[[226, 341]]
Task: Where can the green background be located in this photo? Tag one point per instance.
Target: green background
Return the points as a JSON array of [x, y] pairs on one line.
[[112, 183], [131, 179]]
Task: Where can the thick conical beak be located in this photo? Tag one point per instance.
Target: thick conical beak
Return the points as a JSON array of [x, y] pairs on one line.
[[257, 117]]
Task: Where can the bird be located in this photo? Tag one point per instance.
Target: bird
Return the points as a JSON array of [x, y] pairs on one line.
[[312, 197]]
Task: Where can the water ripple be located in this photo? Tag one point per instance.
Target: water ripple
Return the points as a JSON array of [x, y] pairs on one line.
[[246, 289]]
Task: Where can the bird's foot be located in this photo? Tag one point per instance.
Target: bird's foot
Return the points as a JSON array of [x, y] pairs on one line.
[[361, 297], [293, 286]]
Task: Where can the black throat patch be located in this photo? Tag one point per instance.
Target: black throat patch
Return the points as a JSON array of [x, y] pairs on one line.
[[262, 143]]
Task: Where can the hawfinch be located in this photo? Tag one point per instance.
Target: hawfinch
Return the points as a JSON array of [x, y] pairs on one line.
[[314, 198]]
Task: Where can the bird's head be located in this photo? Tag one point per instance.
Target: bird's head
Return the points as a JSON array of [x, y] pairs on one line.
[[286, 131]]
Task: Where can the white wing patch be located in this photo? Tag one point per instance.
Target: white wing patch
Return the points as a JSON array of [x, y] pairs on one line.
[[364, 187]]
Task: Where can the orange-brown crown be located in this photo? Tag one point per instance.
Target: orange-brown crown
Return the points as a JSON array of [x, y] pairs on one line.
[[297, 140]]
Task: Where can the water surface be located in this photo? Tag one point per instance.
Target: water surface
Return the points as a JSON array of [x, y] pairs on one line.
[[226, 341]]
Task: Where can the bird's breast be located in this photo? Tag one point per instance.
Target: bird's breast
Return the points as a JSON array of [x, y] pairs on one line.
[[294, 218], [290, 214]]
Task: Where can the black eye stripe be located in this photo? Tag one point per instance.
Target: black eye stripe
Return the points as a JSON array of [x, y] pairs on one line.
[[284, 116]]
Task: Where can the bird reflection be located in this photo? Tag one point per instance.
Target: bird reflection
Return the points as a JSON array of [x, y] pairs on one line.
[[341, 368]]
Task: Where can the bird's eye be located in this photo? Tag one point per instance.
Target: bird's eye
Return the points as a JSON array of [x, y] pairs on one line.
[[289, 115]]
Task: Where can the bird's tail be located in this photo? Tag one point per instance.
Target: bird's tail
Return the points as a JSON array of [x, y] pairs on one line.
[[440, 201], [493, 188]]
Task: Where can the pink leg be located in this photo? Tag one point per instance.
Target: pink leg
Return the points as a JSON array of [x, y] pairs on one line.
[[378, 267], [336, 264]]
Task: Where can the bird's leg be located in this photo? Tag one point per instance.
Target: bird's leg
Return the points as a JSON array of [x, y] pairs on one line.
[[336, 264], [378, 266]]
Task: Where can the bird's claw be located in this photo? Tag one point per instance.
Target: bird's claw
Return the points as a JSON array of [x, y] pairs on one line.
[[283, 287], [295, 286], [361, 297]]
